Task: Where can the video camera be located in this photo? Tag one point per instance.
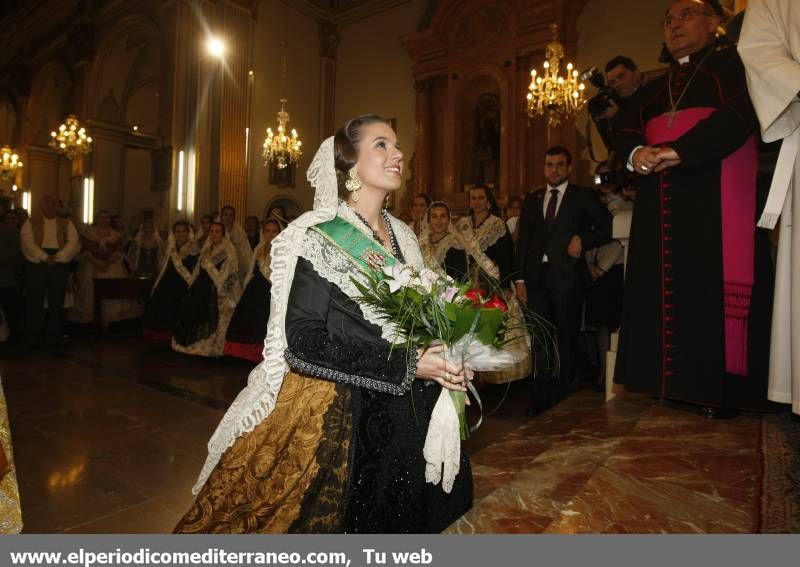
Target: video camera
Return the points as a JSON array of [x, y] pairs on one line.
[[598, 104]]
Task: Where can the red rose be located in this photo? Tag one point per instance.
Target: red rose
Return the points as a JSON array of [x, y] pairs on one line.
[[476, 295], [496, 303]]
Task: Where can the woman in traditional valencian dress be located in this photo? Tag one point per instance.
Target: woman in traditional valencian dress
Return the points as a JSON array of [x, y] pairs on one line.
[[328, 435], [101, 257], [491, 260], [248, 328], [491, 234], [146, 251], [208, 306], [171, 285], [442, 246]]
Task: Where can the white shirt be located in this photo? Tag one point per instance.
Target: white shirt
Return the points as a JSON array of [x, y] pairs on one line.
[[35, 253], [548, 195]]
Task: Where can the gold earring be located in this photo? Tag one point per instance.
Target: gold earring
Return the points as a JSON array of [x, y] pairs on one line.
[[353, 184]]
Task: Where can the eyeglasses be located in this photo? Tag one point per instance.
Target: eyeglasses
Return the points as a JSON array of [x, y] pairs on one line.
[[684, 15]]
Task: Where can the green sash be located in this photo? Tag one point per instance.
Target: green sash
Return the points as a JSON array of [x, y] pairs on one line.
[[357, 246]]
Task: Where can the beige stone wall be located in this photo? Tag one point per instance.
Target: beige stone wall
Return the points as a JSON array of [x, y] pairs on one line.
[[374, 71], [302, 92]]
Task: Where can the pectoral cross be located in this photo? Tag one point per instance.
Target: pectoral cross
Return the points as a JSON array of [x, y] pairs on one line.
[[671, 119]]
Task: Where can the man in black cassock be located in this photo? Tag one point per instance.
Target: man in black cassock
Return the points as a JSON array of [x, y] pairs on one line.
[[693, 327]]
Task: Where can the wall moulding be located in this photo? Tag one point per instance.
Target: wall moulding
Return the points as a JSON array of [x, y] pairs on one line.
[[470, 119]]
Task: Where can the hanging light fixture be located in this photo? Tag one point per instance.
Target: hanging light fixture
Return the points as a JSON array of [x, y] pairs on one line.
[[282, 146], [10, 163], [550, 93], [71, 138]]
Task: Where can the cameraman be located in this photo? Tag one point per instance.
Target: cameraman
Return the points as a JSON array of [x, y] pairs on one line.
[[624, 79]]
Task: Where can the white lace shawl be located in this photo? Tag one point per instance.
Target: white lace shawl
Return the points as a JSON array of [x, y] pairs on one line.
[[461, 237], [175, 256], [490, 231], [226, 279], [257, 400], [238, 239], [262, 259]]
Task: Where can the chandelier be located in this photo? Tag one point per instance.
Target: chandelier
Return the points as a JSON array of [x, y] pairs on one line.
[[71, 138], [10, 164], [551, 93], [282, 148]]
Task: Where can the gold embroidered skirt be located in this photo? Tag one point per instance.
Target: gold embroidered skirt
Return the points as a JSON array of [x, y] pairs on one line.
[[288, 474]]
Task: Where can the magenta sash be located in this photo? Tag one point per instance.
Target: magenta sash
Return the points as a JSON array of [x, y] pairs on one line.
[[738, 185]]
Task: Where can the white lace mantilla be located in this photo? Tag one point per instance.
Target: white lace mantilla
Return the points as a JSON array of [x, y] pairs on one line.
[[490, 231]]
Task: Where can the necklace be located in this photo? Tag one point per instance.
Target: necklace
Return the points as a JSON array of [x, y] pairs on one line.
[[369, 226], [674, 103], [392, 239]]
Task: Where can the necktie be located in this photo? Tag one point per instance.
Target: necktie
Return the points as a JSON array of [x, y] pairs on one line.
[[550, 215]]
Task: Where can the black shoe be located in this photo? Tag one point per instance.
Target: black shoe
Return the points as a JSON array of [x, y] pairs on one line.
[[718, 413]]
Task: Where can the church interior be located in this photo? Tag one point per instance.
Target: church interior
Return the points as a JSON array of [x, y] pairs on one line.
[[172, 101]]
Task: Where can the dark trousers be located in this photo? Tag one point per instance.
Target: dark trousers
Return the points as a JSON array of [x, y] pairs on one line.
[[43, 281], [554, 380], [10, 304]]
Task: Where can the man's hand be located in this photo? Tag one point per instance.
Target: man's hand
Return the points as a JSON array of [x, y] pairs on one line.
[[522, 293], [646, 159], [596, 272], [51, 260], [575, 247], [669, 158]]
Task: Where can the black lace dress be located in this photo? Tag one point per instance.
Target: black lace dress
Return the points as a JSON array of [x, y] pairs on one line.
[[161, 312], [248, 328], [386, 490], [198, 314]]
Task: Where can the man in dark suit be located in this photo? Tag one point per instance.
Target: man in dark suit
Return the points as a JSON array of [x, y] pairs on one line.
[[556, 225]]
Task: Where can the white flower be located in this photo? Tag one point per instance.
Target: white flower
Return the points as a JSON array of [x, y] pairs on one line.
[[398, 276], [449, 293], [428, 278]]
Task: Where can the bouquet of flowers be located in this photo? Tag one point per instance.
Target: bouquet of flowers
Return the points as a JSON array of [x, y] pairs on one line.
[[429, 308]]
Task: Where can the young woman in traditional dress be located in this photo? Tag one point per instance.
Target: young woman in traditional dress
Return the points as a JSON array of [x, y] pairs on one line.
[[208, 306], [171, 285], [248, 328], [489, 234], [442, 246], [146, 251], [101, 257], [328, 435]]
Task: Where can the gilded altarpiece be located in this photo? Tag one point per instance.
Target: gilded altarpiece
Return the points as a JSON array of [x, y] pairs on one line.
[[471, 68]]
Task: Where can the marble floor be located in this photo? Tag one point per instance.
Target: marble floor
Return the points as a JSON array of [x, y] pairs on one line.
[[109, 436]]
